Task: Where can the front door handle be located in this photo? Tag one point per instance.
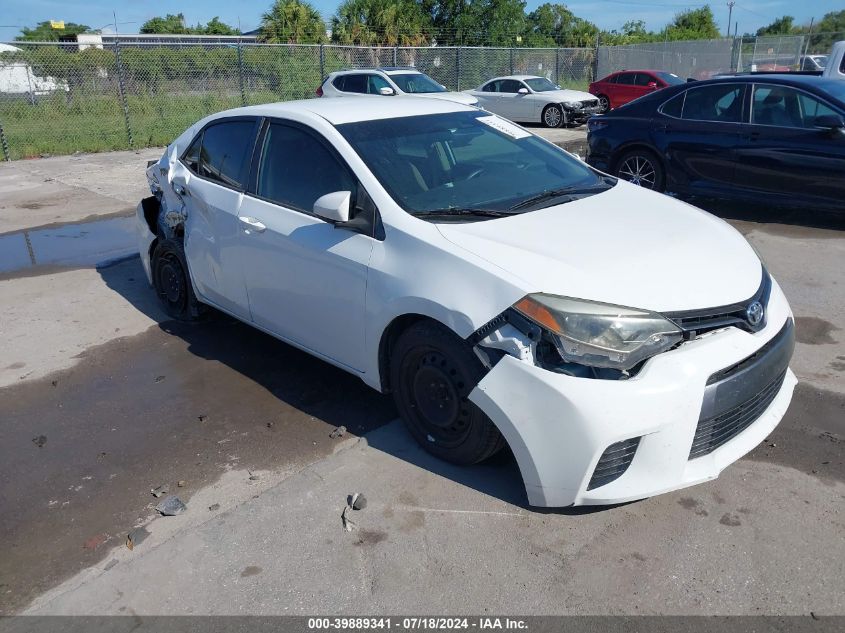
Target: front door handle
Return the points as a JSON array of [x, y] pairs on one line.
[[254, 224]]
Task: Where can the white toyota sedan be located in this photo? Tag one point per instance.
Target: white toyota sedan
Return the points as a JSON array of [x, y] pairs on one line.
[[530, 99], [620, 342]]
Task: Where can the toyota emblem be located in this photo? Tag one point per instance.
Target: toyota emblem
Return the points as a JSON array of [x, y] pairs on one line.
[[754, 314]]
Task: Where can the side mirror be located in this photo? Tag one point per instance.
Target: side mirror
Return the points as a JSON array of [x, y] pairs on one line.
[[830, 122], [522, 91], [387, 92], [334, 206], [652, 85]]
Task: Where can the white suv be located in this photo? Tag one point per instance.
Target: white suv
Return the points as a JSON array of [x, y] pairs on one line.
[[388, 81]]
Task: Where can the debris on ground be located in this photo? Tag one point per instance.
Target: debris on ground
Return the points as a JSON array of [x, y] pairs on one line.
[[102, 455], [39, 440], [162, 490], [110, 564], [181, 483], [358, 501], [269, 425], [171, 506], [55, 383], [348, 524], [136, 537], [252, 477], [202, 417], [159, 378], [338, 432], [94, 542], [214, 506]]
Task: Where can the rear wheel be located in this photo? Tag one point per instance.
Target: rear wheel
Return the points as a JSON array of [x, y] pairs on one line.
[[432, 372], [172, 283], [553, 116], [641, 167], [604, 103]]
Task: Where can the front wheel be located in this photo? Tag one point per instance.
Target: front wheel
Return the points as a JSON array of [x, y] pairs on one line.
[[432, 372], [643, 168], [553, 116]]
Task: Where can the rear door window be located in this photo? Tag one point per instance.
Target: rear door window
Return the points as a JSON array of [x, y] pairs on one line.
[[297, 168], [226, 152], [355, 83], [719, 102]]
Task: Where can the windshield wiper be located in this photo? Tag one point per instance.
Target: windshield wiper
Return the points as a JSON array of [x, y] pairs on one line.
[[559, 193], [452, 211]]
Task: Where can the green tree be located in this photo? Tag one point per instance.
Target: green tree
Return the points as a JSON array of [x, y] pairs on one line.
[[216, 27], [555, 25], [781, 26], [169, 25], [292, 22], [43, 32], [693, 24], [381, 22]]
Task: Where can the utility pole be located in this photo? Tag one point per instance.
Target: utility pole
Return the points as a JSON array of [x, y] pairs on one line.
[[730, 15]]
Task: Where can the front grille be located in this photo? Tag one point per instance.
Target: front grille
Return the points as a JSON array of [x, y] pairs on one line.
[[694, 322], [589, 103], [714, 431], [614, 462]]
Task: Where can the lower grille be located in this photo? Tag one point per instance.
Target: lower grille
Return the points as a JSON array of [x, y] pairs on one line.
[[712, 432], [614, 462]]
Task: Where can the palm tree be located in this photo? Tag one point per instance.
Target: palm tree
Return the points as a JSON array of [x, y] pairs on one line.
[[380, 22], [292, 22]]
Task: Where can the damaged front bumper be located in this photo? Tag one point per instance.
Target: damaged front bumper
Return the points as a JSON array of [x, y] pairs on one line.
[[568, 433], [146, 213]]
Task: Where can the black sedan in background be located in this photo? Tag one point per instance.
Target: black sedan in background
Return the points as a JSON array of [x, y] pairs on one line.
[[772, 139]]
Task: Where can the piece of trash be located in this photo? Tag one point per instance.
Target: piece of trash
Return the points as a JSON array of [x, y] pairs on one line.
[[159, 378], [171, 506], [358, 501], [55, 383], [214, 506], [773, 445], [110, 564], [202, 418], [338, 432], [162, 490], [101, 456], [254, 477], [348, 524], [94, 542], [136, 537], [39, 440], [814, 616], [181, 483], [269, 425]]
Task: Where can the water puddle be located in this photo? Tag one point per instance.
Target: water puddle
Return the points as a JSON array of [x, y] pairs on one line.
[[71, 245]]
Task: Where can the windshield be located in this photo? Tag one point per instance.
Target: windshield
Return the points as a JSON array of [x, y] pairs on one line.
[[670, 78], [821, 60], [439, 164], [541, 84], [416, 83]]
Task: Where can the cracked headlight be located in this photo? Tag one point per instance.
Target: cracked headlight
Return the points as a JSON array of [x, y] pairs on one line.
[[572, 105], [600, 334]]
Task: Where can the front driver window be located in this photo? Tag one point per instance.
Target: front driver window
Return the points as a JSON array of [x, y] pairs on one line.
[[297, 169], [376, 83], [510, 86], [782, 106]]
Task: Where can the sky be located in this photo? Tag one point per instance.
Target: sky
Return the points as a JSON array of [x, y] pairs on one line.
[[607, 14]]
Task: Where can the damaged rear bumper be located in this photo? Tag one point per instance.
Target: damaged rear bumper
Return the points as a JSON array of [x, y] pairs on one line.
[[569, 433]]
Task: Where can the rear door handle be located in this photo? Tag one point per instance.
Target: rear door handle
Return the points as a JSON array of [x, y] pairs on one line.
[[179, 190], [254, 224]]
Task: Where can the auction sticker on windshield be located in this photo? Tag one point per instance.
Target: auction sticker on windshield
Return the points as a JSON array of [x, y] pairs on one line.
[[503, 126]]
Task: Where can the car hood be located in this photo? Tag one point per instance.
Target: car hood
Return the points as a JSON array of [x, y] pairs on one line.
[[567, 95], [626, 246], [458, 97]]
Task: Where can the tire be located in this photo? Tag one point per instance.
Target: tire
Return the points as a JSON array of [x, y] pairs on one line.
[[604, 104], [553, 116], [172, 283], [641, 167], [432, 372]]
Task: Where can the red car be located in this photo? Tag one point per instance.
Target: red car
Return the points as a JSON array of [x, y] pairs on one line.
[[617, 89]]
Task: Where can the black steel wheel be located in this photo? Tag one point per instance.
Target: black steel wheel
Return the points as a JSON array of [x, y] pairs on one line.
[[432, 372], [171, 281], [643, 168]]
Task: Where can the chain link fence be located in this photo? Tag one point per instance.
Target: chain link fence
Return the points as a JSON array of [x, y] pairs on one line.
[[69, 97]]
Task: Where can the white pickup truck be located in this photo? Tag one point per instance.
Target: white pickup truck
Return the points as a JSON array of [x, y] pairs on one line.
[[835, 68]]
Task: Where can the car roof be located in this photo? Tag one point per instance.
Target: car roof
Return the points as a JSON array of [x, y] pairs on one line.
[[514, 77], [787, 79], [639, 70], [351, 109]]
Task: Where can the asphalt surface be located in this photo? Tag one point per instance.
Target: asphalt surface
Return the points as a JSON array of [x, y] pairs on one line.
[[102, 399]]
